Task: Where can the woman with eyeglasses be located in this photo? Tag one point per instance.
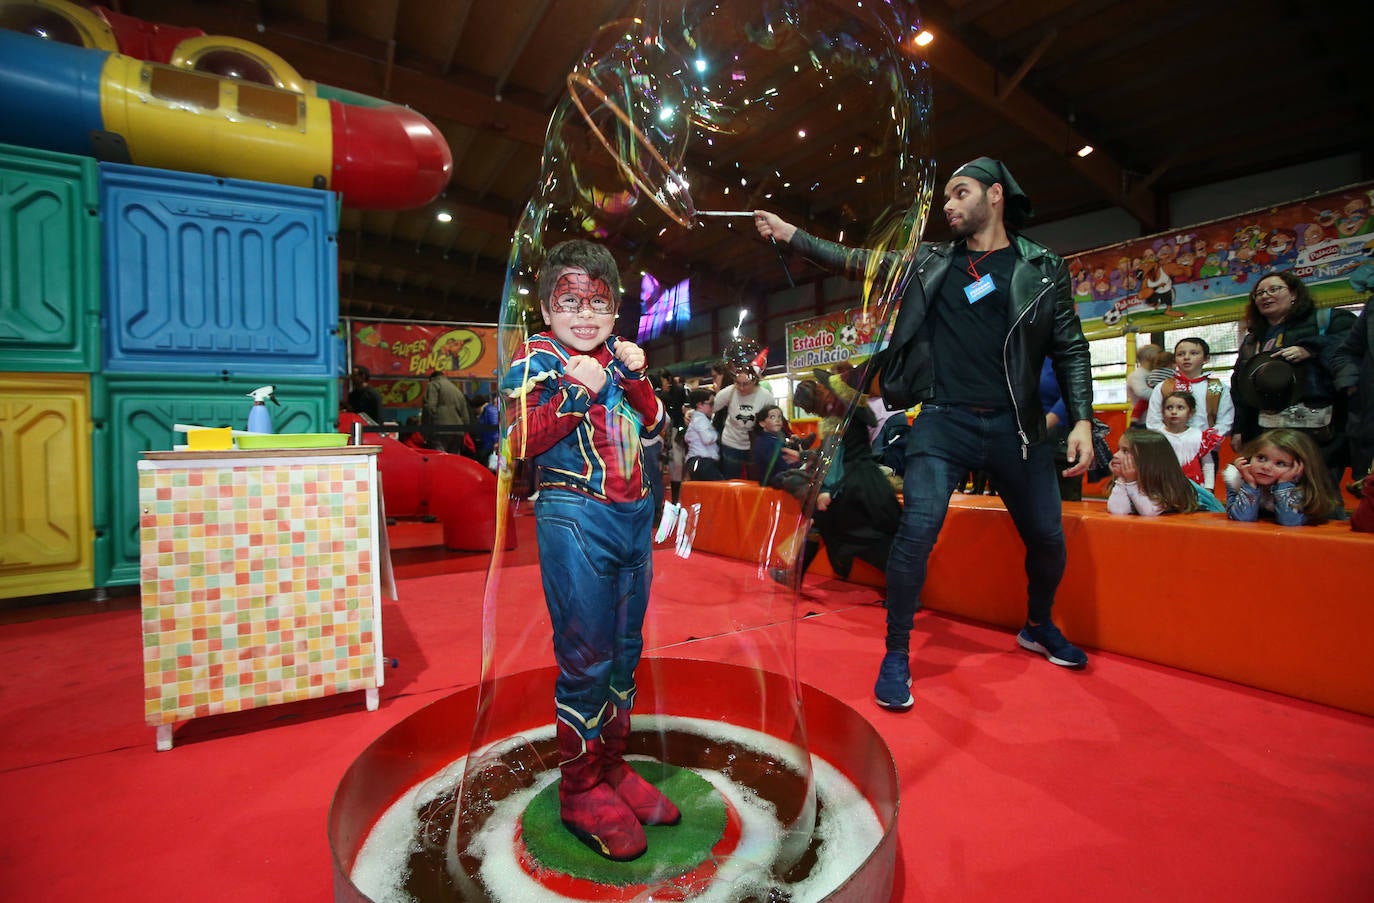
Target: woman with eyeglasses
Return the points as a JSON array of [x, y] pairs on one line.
[[1284, 375]]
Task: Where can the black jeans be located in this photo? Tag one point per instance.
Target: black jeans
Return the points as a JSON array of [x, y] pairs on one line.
[[946, 442]]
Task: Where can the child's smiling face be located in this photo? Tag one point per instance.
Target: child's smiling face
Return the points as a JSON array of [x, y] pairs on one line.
[[580, 310]]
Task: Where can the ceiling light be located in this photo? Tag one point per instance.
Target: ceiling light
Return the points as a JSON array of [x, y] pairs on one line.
[[924, 38], [1085, 150], [801, 133], [444, 216]]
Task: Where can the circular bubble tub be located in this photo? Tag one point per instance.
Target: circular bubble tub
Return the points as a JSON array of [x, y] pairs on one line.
[[743, 792]]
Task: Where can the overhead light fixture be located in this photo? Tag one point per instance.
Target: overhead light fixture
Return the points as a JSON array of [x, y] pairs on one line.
[[1084, 150], [444, 216], [924, 38]]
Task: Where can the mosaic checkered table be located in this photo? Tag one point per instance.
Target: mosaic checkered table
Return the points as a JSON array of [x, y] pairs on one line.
[[261, 579]]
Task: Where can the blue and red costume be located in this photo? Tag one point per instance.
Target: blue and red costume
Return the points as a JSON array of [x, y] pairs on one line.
[[593, 516]]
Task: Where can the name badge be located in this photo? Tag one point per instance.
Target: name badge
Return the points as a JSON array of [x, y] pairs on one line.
[[978, 289]]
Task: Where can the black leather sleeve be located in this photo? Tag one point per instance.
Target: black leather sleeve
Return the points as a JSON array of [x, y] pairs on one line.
[[1073, 361]]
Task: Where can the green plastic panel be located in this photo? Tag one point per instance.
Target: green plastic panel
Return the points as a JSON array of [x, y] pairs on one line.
[[133, 414], [49, 262], [45, 484]]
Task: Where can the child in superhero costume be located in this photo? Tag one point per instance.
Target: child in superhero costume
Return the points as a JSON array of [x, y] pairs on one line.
[[581, 400]]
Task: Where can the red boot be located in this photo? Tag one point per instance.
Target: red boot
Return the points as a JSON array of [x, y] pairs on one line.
[[590, 808], [645, 800]]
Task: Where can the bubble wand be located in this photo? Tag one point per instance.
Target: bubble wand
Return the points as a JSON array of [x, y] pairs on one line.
[[771, 240]]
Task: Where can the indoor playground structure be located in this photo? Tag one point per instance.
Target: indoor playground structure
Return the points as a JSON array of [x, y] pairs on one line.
[[153, 281], [97, 83], [454, 489]]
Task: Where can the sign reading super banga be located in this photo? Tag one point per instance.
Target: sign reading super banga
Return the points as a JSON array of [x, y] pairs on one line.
[[395, 350]]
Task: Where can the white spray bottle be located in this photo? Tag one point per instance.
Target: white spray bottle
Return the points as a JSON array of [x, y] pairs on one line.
[[259, 419]]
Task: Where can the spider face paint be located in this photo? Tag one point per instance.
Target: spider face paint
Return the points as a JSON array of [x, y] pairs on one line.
[[580, 310]]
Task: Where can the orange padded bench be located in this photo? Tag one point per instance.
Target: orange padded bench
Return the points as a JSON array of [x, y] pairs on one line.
[[742, 519], [1286, 609]]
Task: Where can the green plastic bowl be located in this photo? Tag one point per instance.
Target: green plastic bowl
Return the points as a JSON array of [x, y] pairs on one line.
[[290, 440]]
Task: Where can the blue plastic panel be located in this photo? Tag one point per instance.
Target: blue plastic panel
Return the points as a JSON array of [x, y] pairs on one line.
[[216, 277], [49, 262], [133, 414]]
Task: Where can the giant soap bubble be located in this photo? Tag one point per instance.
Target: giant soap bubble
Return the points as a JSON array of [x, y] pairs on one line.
[[677, 123]]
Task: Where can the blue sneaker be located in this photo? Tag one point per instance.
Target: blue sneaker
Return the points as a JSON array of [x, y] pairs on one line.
[[893, 689], [1048, 641]]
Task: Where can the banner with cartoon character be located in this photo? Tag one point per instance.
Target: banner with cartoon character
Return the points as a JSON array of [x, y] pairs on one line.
[[400, 356], [829, 339], [1204, 273]]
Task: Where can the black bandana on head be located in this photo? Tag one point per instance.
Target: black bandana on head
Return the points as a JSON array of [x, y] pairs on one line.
[[989, 171]]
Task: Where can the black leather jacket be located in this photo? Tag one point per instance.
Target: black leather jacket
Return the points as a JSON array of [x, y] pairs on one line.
[[1042, 322]]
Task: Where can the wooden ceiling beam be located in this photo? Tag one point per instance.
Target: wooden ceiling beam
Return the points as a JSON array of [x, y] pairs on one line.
[[1083, 10], [517, 49], [416, 304], [1133, 41], [435, 97], [454, 273], [978, 79], [1004, 90], [456, 22]]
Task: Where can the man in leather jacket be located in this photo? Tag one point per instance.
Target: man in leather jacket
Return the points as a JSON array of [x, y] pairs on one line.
[[975, 325]]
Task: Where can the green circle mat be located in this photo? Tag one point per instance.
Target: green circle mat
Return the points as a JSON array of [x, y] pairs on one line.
[[673, 849]]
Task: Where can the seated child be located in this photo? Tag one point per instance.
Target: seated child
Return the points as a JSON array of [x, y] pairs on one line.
[[1281, 473], [1192, 445], [579, 403], [1147, 480], [775, 452]]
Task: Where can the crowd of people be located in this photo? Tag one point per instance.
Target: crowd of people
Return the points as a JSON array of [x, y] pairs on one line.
[[449, 421], [986, 346], [1295, 411], [986, 319]]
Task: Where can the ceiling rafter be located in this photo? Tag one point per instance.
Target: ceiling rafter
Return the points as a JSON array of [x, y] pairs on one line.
[[1129, 41], [517, 49], [1004, 90], [457, 22], [435, 97], [426, 305], [429, 263], [978, 79], [972, 10], [1013, 45]]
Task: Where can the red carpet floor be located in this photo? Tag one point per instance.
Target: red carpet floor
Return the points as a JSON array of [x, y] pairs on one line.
[[1020, 781]]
